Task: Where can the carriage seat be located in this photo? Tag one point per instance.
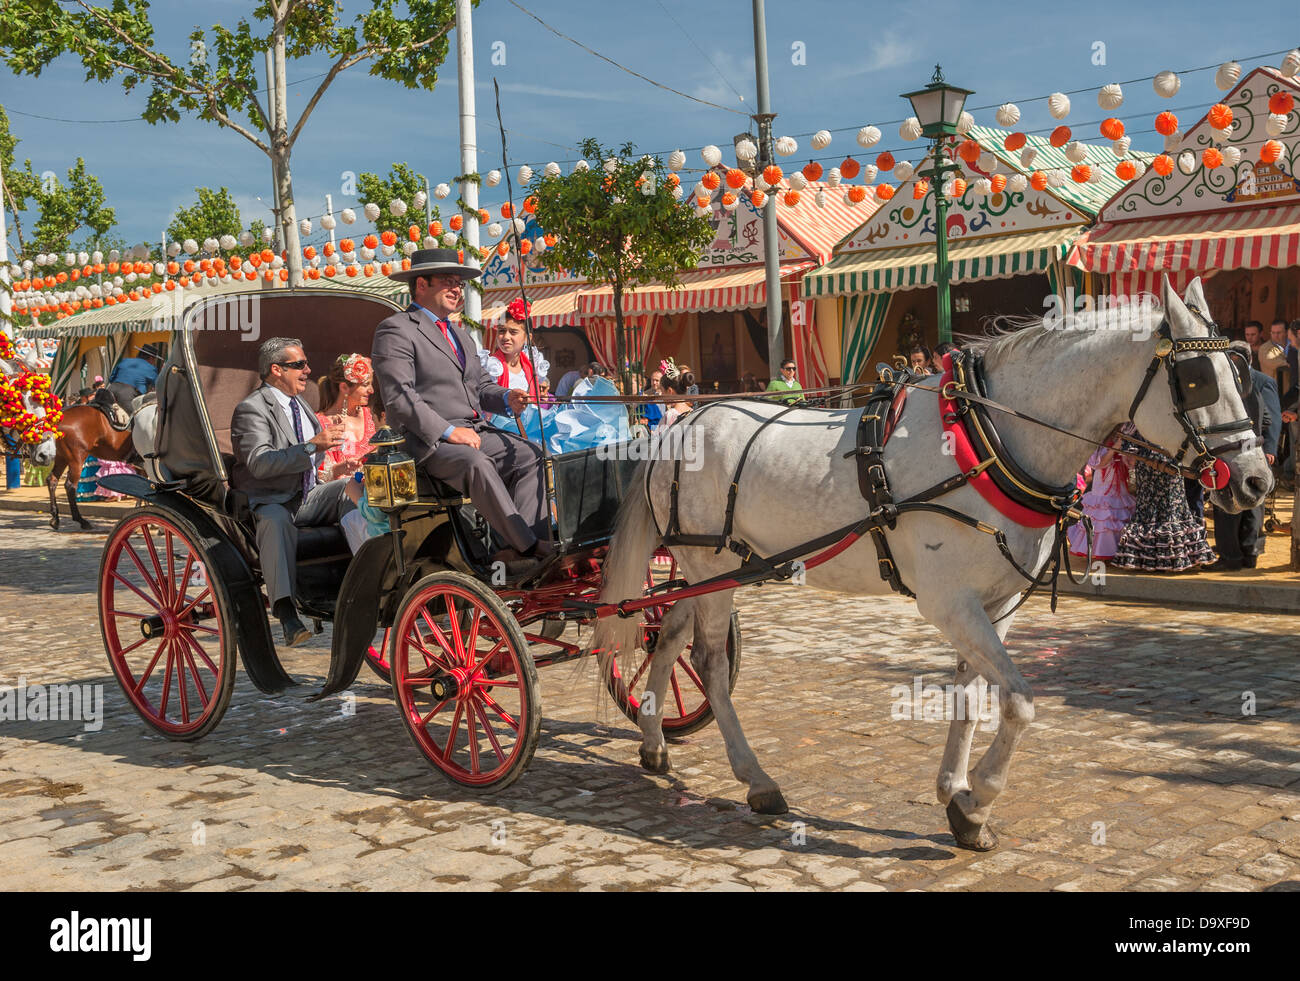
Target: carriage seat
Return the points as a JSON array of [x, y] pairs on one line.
[[321, 542], [433, 490]]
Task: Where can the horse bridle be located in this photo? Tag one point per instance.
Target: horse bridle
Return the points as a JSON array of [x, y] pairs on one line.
[[1193, 384]]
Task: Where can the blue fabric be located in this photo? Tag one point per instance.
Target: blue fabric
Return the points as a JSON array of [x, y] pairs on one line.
[[136, 372], [13, 464], [576, 426], [86, 483]]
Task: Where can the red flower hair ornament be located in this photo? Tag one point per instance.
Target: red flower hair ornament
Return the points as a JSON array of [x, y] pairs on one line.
[[518, 310]]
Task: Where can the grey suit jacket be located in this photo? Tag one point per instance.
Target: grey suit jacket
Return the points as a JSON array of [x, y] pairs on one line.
[[422, 383], [269, 460]]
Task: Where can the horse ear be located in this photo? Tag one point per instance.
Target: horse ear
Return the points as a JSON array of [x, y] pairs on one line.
[[1175, 309], [1195, 296]]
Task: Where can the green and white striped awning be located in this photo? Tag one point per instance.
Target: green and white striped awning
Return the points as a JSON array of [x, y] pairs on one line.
[[912, 266]]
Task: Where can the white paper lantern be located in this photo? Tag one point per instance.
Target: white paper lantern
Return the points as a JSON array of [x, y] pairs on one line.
[[190, 246], [1231, 156], [1058, 104], [1076, 152], [520, 225], [611, 165], [114, 255], [820, 198], [367, 253], [83, 258], [304, 227], [494, 229], [348, 216], [1291, 63], [371, 211], [869, 173], [1056, 178], [174, 248], [131, 277], [746, 152], [1167, 84], [868, 136], [397, 207], [70, 259], [227, 242], [797, 181], [1008, 114], [1121, 146], [552, 169], [159, 269], [1276, 123], [1027, 156], [420, 199], [441, 191], [786, 146], [430, 242], [677, 192], [712, 155], [96, 257], [539, 243], [1227, 75], [268, 235], [1095, 175], [1173, 141], [986, 162], [27, 264], [833, 177], [449, 239], [821, 139], [1187, 162], [911, 129], [964, 123], [676, 160], [1110, 97], [314, 261], [493, 178], [903, 171], [277, 262], [581, 166], [408, 247]]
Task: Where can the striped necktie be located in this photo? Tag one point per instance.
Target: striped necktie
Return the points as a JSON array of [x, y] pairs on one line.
[[309, 475]]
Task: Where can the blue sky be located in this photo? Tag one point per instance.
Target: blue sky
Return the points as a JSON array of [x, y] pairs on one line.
[[857, 58]]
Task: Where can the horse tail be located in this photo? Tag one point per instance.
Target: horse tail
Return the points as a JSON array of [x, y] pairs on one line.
[[635, 539]]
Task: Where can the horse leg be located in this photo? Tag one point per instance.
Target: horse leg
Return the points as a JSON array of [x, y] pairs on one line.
[[673, 634], [969, 629], [51, 484], [70, 482], [709, 655]]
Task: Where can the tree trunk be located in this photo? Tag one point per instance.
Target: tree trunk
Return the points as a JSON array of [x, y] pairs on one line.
[[280, 151], [620, 339], [18, 228]]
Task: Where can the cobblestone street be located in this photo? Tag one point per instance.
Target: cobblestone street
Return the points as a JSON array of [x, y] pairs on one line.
[[1142, 771]]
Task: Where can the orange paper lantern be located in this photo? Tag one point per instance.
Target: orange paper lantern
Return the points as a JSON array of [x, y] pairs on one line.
[[351, 271], [771, 173], [884, 192], [1060, 136], [456, 223], [530, 203], [550, 239], [728, 199], [1080, 173], [388, 238], [503, 248], [735, 178], [267, 255], [525, 246], [284, 275], [413, 233], [309, 253], [672, 180], [850, 168], [483, 216], [885, 161], [507, 211], [999, 182], [1112, 128], [813, 170], [1126, 170], [1163, 164], [345, 245], [968, 150], [435, 228], [857, 193], [1211, 157], [702, 202], [1166, 124], [370, 242], [1220, 116], [712, 181], [329, 272], [757, 199], [1270, 151], [1038, 180], [173, 268], [791, 198], [1281, 103], [920, 189]]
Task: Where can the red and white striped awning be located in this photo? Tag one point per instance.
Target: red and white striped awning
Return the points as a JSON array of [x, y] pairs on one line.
[[1259, 238], [553, 304], [701, 290]]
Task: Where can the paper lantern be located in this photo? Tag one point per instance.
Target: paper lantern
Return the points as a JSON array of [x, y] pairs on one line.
[[1270, 152], [419, 201], [449, 239], [920, 189], [191, 246], [884, 192], [1173, 141], [1211, 157], [347, 216], [1166, 123], [983, 187], [1060, 136], [552, 169], [1281, 103], [1121, 146], [711, 180], [389, 238], [1220, 116], [911, 129], [1014, 142], [729, 201], [712, 155], [998, 182], [812, 171], [772, 174], [456, 222], [903, 172], [1110, 97], [1187, 162], [987, 162], [821, 139], [1038, 180], [1227, 75], [746, 151], [868, 136], [956, 188], [1166, 84], [758, 199], [1231, 156], [1076, 152], [736, 178], [1291, 63], [676, 160], [1008, 114], [1276, 123], [786, 146], [857, 194], [791, 198], [1058, 104], [1112, 128], [492, 178], [869, 173], [798, 181], [484, 217], [1080, 173], [397, 207], [885, 161], [833, 177], [371, 211], [702, 203], [525, 174], [327, 222], [964, 123], [849, 168], [968, 150]]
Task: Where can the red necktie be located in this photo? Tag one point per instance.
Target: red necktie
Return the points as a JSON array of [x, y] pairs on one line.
[[446, 332]]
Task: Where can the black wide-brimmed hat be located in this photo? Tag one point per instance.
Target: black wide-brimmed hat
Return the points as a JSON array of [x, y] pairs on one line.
[[428, 262]]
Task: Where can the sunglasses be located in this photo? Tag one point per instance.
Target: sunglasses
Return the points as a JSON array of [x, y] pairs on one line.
[[295, 365], [787, 367]]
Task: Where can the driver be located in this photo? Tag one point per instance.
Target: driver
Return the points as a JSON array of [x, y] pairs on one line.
[[434, 387]]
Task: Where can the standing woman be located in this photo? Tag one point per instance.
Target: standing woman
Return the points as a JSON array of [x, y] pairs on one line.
[[509, 365], [344, 394]]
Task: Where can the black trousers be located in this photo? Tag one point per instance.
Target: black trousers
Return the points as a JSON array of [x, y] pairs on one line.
[[1237, 536]]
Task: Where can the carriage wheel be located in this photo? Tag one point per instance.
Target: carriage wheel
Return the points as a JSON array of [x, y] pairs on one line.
[[377, 657], [167, 624], [464, 681], [687, 709]]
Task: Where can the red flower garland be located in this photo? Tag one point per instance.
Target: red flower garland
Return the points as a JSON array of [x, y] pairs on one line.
[[29, 427]]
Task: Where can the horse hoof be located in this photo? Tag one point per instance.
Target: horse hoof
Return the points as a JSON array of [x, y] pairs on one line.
[[975, 837], [768, 802], [656, 761]]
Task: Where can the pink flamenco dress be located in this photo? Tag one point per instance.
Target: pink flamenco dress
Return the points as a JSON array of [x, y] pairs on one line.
[[349, 449], [1107, 503]]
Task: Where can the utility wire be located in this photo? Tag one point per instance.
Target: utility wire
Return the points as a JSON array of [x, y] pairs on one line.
[[691, 38]]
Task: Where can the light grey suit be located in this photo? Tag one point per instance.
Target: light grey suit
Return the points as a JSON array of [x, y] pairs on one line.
[[425, 390], [269, 464]]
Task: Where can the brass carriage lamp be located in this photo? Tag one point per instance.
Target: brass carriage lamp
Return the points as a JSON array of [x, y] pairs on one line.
[[389, 472]]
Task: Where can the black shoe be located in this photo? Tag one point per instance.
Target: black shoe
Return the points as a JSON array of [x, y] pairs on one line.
[[1222, 565], [295, 631], [1249, 561]]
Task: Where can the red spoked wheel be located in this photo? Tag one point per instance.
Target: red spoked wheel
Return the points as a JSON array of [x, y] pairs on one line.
[[686, 707], [167, 624], [464, 681], [377, 656]]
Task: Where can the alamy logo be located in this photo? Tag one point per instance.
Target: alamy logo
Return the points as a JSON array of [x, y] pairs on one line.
[[675, 443], [944, 703], [1134, 314], [241, 312], [53, 703], [103, 934]]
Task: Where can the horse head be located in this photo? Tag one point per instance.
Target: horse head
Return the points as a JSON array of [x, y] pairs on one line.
[[1196, 405]]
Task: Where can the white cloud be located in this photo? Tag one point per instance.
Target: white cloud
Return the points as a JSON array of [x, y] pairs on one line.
[[527, 89], [737, 71], [886, 51]]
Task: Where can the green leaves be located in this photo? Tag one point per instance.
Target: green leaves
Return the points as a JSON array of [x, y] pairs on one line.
[[66, 208], [214, 214], [401, 184]]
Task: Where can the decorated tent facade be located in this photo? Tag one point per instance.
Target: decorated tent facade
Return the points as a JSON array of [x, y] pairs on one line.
[[1236, 226], [1007, 250]]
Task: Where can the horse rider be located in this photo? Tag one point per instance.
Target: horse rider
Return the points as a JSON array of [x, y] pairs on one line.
[[137, 372], [278, 444], [433, 385]]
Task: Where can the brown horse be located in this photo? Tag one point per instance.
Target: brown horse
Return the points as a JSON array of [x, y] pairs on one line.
[[86, 432]]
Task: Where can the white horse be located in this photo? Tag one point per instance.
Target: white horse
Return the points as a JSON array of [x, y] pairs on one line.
[[42, 453], [798, 485]]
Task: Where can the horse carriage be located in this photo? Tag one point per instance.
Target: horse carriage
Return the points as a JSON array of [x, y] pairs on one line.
[[180, 592]]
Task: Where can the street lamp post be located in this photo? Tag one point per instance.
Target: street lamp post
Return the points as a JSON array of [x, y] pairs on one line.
[[938, 109]]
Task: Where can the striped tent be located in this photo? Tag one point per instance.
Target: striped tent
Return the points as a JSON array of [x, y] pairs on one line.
[[700, 290]]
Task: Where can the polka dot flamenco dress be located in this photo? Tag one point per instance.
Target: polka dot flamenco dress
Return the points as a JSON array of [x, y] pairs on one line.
[[1163, 535]]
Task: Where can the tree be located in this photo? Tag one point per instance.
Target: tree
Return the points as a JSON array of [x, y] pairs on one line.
[[400, 185], [621, 226], [215, 214], [220, 83], [65, 209], [20, 183]]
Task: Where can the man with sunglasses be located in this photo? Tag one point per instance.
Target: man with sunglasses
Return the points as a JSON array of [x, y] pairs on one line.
[[434, 387], [278, 445], [788, 382]]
